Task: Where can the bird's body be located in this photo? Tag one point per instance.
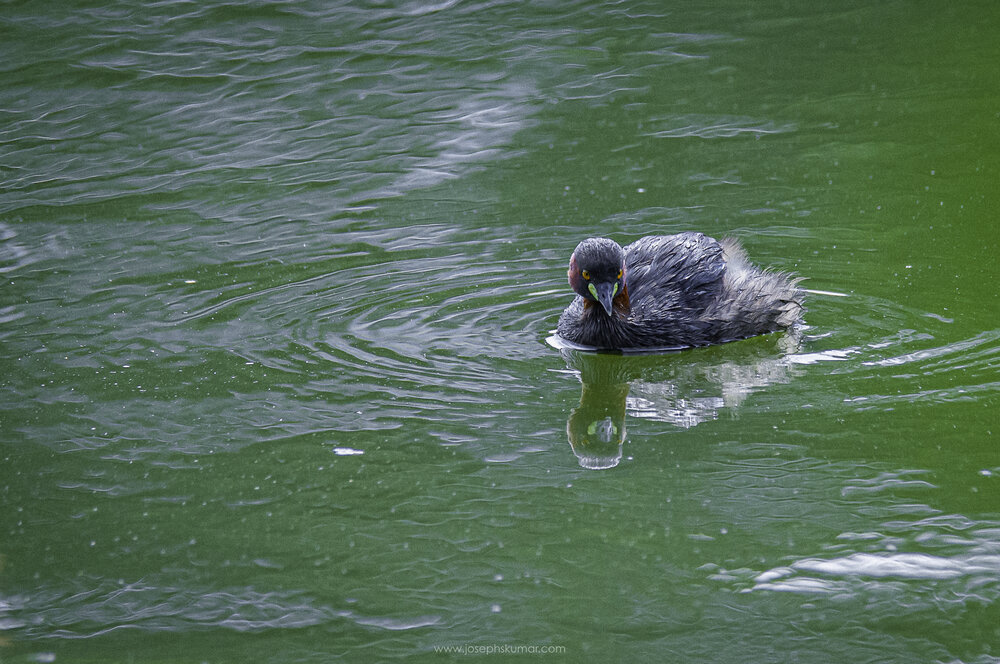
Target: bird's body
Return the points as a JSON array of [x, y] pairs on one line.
[[673, 291]]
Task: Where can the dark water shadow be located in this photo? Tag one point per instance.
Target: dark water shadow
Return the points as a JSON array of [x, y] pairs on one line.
[[682, 388]]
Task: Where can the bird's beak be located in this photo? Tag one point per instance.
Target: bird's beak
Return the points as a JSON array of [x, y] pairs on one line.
[[605, 294]]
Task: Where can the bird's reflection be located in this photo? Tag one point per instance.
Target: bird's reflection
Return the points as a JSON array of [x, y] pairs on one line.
[[682, 388], [596, 428]]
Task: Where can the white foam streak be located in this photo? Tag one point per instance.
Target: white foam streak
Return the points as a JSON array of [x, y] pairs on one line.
[[914, 566]]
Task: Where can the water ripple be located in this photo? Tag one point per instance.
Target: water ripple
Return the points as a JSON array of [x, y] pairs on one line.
[[979, 352], [143, 606], [332, 108], [916, 566], [928, 363], [695, 126], [887, 482]]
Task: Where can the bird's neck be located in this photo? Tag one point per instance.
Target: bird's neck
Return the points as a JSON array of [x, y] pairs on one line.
[[621, 302]]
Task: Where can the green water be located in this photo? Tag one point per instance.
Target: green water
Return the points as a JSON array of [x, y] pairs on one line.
[[277, 279]]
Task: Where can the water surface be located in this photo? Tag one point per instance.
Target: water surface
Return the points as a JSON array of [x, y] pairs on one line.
[[277, 280]]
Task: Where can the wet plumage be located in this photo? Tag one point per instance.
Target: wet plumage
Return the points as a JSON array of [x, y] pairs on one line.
[[673, 291]]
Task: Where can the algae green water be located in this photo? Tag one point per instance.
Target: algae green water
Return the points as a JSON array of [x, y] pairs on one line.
[[277, 280]]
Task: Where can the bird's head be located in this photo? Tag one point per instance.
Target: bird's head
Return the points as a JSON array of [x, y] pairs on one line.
[[597, 271]]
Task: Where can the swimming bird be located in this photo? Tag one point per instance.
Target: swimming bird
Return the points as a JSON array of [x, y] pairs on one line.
[[673, 291]]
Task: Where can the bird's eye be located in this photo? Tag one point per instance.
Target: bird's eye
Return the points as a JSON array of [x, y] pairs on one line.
[[619, 274], [585, 275]]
